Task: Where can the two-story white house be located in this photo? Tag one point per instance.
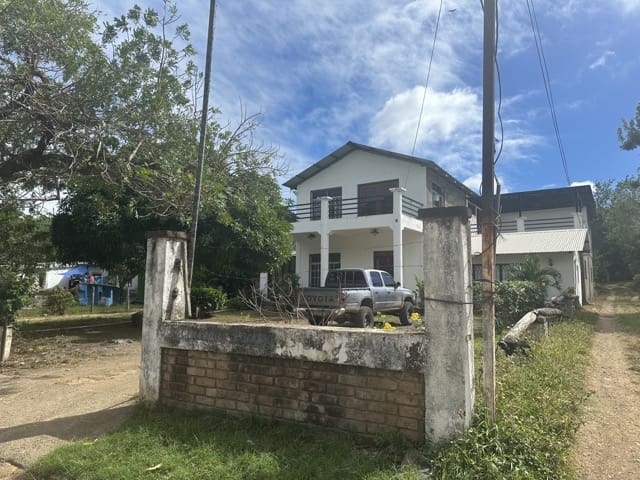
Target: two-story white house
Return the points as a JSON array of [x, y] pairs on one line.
[[551, 224], [357, 207]]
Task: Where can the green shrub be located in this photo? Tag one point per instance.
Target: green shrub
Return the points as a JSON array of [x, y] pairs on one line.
[[15, 291], [207, 299], [513, 298], [57, 300], [236, 303]]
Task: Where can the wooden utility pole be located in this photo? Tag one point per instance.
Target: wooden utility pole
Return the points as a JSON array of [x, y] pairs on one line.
[[201, 147], [488, 214]]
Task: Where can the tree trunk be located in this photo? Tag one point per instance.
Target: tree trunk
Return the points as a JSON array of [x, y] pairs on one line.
[[533, 325]]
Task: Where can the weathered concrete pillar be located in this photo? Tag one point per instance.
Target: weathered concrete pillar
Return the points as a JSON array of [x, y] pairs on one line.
[[398, 256], [324, 238], [165, 298], [449, 376]]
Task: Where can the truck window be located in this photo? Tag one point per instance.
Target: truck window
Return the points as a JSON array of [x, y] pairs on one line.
[[376, 281], [345, 279], [388, 280]]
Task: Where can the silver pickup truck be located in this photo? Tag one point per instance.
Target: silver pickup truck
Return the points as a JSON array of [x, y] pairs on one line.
[[356, 294]]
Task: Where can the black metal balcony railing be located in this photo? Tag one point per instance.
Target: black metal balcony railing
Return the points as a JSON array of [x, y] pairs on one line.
[[358, 206], [509, 226]]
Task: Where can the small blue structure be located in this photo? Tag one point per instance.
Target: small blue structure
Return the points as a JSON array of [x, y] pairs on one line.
[[102, 294]]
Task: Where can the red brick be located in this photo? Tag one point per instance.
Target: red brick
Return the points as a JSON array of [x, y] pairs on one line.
[[410, 387], [225, 404], [270, 411], [202, 400], [383, 407], [341, 390], [285, 403], [205, 381], [352, 402], [352, 380], [411, 412], [326, 377], [408, 423], [264, 400], [195, 389], [226, 365], [196, 371], [226, 384], [381, 383], [211, 392], [215, 373], [287, 382], [313, 386], [401, 398], [240, 377], [262, 379], [248, 387], [296, 373], [375, 395], [324, 399]]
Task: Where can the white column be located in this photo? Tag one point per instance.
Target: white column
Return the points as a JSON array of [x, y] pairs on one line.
[[448, 375], [166, 298], [520, 224], [324, 238], [397, 227]]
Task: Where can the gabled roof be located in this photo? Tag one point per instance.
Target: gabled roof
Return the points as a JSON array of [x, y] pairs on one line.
[[578, 196], [349, 147], [545, 241]]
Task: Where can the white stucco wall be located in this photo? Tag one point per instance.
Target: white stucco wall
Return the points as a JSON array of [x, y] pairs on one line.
[[360, 167]]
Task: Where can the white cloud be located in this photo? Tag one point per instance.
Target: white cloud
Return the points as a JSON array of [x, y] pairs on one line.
[[601, 60], [591, 183]]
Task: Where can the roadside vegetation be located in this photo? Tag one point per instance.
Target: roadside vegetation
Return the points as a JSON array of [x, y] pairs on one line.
[[539, 402]]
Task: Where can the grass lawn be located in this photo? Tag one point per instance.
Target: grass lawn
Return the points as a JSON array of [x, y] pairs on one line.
[[540, 396]]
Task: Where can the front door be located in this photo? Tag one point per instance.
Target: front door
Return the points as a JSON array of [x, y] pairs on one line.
[[383, 261]]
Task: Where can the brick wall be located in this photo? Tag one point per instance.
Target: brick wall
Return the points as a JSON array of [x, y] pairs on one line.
[[360, 399]]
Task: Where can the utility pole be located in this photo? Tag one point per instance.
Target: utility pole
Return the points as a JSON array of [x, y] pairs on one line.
[[203, 137], [488, 213]]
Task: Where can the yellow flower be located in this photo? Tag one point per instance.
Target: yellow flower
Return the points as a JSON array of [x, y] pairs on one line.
[[388, 326], [415, 316]]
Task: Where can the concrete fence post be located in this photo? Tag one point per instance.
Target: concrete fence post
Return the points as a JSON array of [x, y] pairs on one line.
[[165, 298], [449, 375]]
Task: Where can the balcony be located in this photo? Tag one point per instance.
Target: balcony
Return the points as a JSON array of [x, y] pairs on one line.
[[354, 207]]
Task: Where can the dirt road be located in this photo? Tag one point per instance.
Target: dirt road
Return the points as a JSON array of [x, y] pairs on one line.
[[89, 393], [608, 444]]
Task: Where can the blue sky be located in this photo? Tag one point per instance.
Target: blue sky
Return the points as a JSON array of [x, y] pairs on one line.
[[323, 72]]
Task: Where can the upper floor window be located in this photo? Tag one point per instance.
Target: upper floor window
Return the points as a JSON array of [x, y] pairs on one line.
[[335, 204], [375, 198], [437, 196]]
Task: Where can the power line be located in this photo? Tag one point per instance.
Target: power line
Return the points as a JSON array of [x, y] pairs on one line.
[[426, 84], [547, 84]]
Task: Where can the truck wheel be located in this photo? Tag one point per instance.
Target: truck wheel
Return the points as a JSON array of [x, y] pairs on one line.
[[405, 313], [365, 317]]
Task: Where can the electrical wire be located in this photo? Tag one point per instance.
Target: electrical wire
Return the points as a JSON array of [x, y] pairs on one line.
[[547, 84], [426, 85]]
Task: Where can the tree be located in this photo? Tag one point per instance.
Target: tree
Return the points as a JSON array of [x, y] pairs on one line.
[[123, 108], [101, 224], [616, 231], [629, 133], [530, 270]]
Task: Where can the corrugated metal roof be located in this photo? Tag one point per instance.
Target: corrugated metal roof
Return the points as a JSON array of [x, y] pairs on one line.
[[571, 240]]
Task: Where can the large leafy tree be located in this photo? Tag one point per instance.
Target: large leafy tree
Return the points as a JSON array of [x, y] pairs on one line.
[[122, 108], [108, 114], [616, 231], [629, 132]]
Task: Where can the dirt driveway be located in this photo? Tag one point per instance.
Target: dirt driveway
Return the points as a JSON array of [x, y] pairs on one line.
[[65, 386]]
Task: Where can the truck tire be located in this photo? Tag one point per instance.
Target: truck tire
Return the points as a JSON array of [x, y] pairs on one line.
[[365, 317], [405, 313]]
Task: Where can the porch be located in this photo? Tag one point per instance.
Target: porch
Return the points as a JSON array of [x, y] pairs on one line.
[[380, 231]]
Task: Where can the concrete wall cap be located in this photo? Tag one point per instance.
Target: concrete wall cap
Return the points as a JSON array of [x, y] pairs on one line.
[[444, 212], [167, 234]]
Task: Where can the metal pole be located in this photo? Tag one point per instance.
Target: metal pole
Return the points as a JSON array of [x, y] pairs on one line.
[[203, 137], [488, 214]]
